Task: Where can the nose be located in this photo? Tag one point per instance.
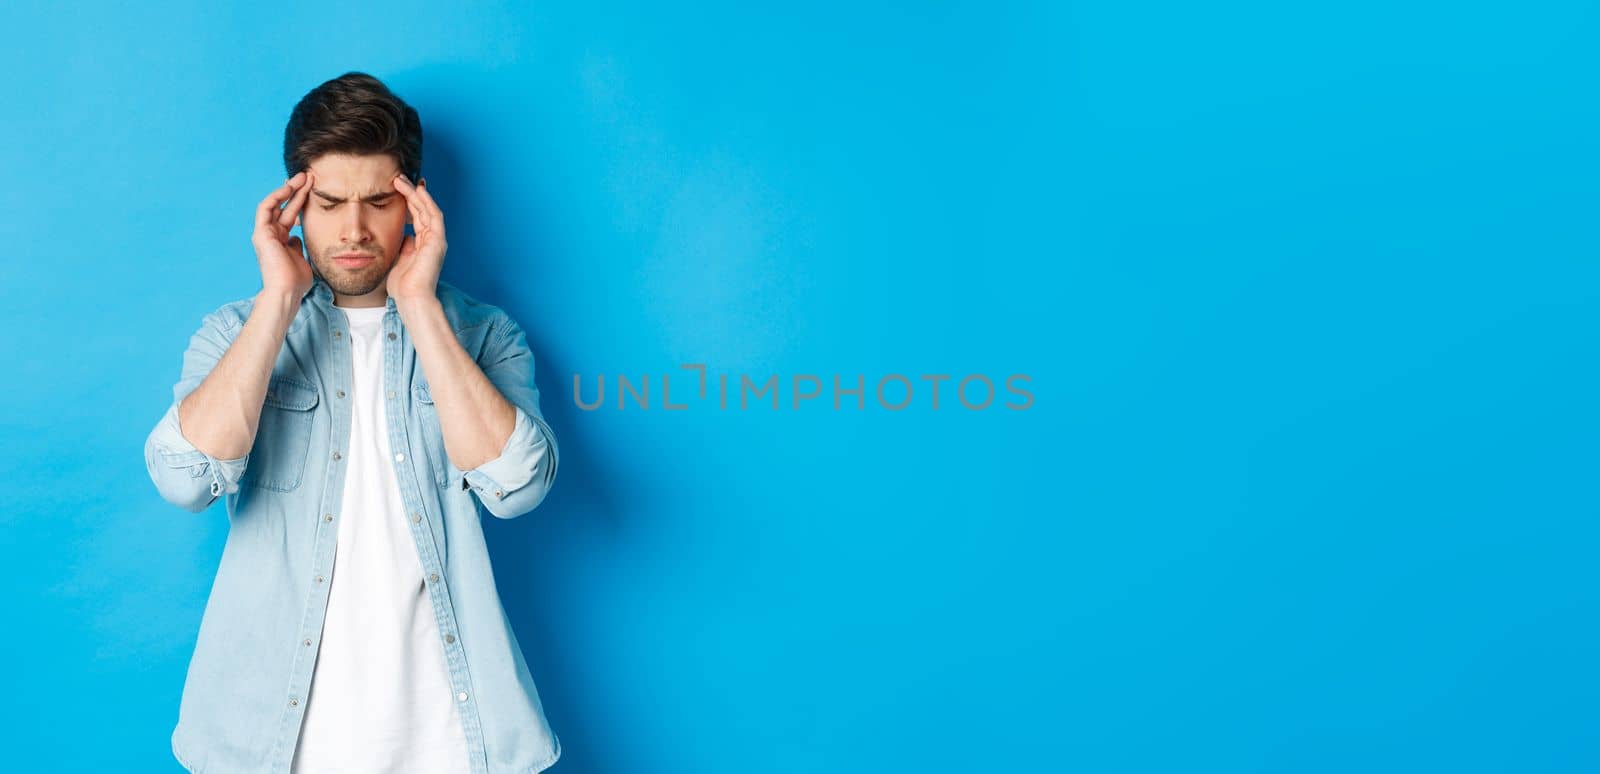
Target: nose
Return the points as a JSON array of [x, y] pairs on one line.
[[353, 226]]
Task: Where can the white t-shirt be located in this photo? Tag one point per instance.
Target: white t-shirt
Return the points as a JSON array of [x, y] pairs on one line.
[[380, 700]]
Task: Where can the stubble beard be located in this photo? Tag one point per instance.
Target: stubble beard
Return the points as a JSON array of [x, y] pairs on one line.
[[352, 282]]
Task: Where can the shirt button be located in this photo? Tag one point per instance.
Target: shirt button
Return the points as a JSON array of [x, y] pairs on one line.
[[336, 455], [308, 642], [498, 493], [400, 457], [461, 696], [327, 517], [293, 702], [391, 393], [319, 578], [449, 638], [391, 337], [416, 517], [434, 577], [341, 393], [336, 334]]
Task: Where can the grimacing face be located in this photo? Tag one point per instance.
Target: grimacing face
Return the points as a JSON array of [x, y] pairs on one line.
[[354, 208]]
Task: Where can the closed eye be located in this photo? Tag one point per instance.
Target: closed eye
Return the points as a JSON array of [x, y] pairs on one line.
[[327, 207]]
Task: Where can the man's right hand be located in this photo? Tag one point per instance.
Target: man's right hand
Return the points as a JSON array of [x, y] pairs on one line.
[[283, 264]]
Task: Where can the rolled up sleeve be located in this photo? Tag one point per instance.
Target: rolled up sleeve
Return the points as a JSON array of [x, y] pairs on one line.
[[183, 474], [516, 480]]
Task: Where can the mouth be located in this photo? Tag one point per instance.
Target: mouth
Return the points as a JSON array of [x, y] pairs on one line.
[[353, 260]]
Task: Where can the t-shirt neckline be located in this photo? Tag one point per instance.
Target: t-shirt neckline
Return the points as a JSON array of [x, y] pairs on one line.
[[370, 311]]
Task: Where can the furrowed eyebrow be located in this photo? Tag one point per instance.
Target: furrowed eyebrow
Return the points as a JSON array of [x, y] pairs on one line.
[[371, 198]]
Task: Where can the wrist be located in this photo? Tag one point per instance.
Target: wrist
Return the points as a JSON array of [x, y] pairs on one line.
[[276, 292], [281, 301], [403, 303]]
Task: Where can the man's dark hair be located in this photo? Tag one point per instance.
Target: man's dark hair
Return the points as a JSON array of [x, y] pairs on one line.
[[356, 114]]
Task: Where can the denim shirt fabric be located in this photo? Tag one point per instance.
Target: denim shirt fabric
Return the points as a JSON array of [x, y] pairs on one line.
[[254, 655]]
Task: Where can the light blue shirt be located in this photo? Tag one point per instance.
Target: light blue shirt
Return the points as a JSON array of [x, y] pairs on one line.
[[246, 688]]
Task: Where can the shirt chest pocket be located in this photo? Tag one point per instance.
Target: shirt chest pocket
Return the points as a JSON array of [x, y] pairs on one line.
[[431, 433], [283, 437]]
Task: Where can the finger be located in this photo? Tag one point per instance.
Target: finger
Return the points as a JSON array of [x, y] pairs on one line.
[[404, 186], [413, 204], [264, 210], [287, 215], [434, 217]]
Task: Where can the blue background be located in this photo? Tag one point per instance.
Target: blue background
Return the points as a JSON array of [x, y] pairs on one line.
[[1307, 295]]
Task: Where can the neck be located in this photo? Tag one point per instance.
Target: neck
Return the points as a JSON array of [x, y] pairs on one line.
[[359, 302]]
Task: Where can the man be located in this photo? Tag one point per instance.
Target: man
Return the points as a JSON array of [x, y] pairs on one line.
[[359, 415]]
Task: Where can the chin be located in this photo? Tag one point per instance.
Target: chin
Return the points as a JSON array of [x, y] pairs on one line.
[[355, 283]]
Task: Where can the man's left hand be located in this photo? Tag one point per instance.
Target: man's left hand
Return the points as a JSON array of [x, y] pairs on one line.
[[416, 270]]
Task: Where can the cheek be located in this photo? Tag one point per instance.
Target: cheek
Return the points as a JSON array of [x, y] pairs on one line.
[[312, 221], [393, 223]]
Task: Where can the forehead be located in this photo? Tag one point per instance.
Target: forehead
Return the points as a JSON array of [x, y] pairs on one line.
[[344, 174]]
